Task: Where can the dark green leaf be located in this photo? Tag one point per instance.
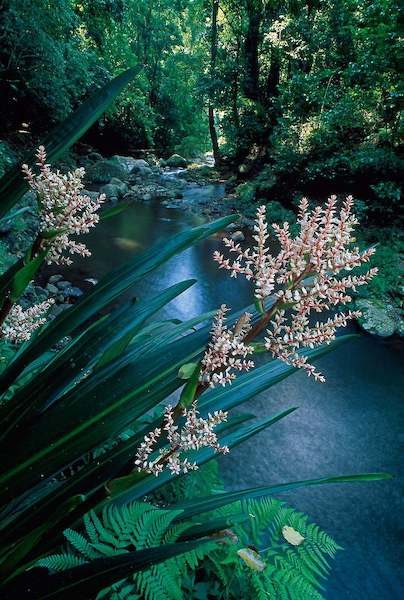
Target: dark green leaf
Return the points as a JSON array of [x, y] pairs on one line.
[[85, 581], [13, 185]]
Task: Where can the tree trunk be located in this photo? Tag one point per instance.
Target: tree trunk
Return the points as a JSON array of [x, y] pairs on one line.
[[251, 45], [211, 112]]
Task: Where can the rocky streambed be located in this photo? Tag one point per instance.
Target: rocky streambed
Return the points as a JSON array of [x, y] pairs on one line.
[[172, 184]]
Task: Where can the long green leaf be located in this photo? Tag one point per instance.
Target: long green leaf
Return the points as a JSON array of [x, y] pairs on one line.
[[105, 292], [194, 507], [24, 275], [85, 581], [257, 380], [151, 483], [13, 185], [64, 370]]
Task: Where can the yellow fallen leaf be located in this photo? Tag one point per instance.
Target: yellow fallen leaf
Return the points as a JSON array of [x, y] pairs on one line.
[[292, 536], [252, 559], [126, 243]]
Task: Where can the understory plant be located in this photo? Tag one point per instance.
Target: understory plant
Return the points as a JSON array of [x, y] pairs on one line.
[[269, 549], [87, 427]]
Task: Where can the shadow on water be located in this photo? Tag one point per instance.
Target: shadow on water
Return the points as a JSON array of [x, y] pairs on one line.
[[353, 423]]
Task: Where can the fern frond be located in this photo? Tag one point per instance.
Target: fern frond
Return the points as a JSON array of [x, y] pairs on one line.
[[61, 562], [81, 544]]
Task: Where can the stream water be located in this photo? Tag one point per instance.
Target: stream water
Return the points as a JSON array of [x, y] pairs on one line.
[[351, 424]]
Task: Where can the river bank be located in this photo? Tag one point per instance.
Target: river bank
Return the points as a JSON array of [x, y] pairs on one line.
[[195, 188]]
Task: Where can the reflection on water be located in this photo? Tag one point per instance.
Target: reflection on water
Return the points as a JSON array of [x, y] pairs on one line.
[[351, 424]]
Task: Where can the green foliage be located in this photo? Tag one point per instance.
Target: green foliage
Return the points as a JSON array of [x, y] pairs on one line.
[[123, 529], [46, 75], [309, 95], [7, 157], [388, 284], [294, 572]]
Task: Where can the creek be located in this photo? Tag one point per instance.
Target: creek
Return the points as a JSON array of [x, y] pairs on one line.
[[353, 423]]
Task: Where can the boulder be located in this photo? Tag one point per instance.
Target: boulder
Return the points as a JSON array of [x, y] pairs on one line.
[[55, 278], [123, 187], [111, 191], [62, 285], [52, 288], [238, 236], [233, 227], [72, 292], [380, 318], [141, 169], [104, 170], [176, 161], [126, 162]]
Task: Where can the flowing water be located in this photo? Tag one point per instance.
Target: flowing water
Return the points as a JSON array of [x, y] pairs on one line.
[[351, 424]]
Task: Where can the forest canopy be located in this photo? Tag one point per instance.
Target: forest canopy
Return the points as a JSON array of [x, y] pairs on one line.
[[304, 94]]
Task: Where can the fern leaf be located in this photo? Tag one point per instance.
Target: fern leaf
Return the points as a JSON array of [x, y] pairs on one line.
[[79, 542]]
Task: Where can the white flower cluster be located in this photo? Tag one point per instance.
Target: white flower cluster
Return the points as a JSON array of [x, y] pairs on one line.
[[194, 434], [309, 274], [20, 324], [64, 211], [226, 352]]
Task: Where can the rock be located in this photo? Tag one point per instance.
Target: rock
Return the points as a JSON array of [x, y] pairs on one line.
[[104, 170], [63, 284], [111, 191], [34, 294], [52, 288], [141, 169], [379, 318], [161, 163], [55, 278], [238, 236], [123, 187], [250, 223], [145, 193], [139, 163], [176, 161], [57, 309], [128, 162], [72, 292], [95, 156], [233, 227]]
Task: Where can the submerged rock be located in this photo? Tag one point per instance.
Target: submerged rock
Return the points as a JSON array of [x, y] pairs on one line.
[[383, 320]]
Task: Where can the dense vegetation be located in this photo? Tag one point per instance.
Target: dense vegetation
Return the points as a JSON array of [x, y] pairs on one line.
[[308, 89], [295, 97]]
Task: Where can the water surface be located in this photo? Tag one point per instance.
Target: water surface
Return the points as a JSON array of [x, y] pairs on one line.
[[353, 423]]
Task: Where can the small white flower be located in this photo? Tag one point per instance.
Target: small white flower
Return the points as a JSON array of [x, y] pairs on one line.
[[64, 211], [20, 324]]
